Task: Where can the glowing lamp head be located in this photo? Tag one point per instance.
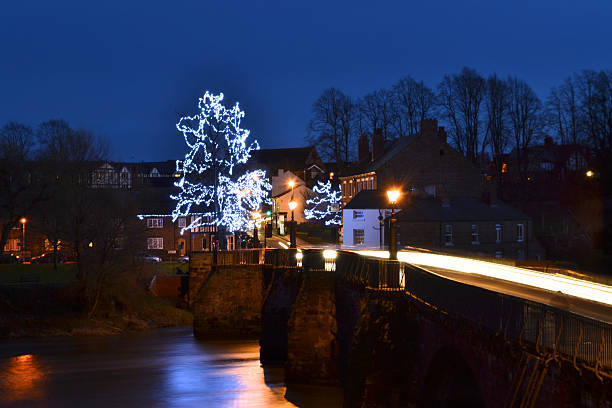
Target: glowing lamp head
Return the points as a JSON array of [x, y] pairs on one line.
[[292, 205], [291, 183], [590, 173], [256, 215], [393, 195], [23, 220]]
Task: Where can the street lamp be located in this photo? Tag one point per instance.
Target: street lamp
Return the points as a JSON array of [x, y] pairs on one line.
[[23, 223], [292, 206], [590, 173], [393, 196], [256, 215]]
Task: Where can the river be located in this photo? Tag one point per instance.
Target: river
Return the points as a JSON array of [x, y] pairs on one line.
[[161, 368]]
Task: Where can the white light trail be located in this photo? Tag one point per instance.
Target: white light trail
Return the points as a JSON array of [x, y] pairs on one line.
[[553, 282]]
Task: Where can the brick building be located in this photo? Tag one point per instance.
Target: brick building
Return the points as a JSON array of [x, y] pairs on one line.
[[468, 225], [422, 163]]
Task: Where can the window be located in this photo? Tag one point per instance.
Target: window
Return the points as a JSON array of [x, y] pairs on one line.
[[520, 253], [358, 237], [475, 237], [12, 244], [520, 233], [498, 233], [448, 234], [357, 214], [155, 243], [182, 222], [548, 166], [155, 223], [499, 254]]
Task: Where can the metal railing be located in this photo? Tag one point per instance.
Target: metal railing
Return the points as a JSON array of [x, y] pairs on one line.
[[548, 330]]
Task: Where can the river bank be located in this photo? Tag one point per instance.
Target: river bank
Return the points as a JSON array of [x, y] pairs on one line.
[[126, 305]]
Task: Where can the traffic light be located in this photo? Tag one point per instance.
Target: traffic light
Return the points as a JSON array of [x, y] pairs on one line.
[[268, 213]]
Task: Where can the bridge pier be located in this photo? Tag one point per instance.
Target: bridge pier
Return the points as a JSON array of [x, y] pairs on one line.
[[229, 301], [311, 332], [382, 366], [278, 303]]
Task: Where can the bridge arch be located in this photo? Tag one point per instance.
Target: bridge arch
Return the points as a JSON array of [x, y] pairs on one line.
[[450, 382]]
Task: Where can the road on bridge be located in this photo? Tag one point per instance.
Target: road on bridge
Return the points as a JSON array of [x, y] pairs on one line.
[[584, 298]]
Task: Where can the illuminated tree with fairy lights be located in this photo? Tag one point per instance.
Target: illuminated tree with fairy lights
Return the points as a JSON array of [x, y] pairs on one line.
[[207, 174], [325, 206]]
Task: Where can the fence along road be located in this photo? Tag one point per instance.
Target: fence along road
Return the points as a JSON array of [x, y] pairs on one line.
[[588, 299]]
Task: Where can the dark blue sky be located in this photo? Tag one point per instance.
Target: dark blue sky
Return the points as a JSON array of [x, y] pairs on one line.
[[127, 69]]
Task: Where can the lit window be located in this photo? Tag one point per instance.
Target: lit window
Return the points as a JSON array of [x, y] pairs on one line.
[[357, 214], [358, 237], [155, 223], [504, 168], [182, 222], [498, 233], [155, 243], [475, 237], [448, 234], [520, 233]]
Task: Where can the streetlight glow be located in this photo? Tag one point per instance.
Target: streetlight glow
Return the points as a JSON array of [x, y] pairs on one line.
[[23, 220], [291, 183], [590, 173], [393, 195], [292, 205]]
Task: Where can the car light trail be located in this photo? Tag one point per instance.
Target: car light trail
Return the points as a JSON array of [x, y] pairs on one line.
[[553, 282]]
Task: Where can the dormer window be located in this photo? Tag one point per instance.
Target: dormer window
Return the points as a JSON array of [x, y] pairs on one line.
[[154, 172]]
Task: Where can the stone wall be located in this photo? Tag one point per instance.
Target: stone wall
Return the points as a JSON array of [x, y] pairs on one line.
[[230, 302]]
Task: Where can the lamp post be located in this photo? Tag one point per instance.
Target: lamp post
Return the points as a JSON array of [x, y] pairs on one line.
[[292, 206], [23, 245], [255, 216], [393, 196]]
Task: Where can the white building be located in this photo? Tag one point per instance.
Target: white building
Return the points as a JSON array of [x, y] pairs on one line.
[[282, 193], [362, 220]]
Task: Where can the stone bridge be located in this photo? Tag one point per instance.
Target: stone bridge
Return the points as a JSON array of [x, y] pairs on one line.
[[393, 335]]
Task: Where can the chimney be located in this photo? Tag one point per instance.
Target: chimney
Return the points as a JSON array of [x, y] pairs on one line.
[[548, 142], [363, 147], [489, 195], [442, 134], [429, 128], [378, 144]]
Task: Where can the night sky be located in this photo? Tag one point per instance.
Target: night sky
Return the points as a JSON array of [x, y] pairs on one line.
[[128, 70]]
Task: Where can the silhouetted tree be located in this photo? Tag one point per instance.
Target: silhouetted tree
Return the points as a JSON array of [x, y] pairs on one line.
[[68, 158], [414, 101], [497, 98], [331, 127], [460, 98], [20, 191], [564, 116], [378, 111], [526, 121]]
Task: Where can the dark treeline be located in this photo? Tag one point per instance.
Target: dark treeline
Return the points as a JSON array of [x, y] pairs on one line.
[[44, 176], [485, 117]]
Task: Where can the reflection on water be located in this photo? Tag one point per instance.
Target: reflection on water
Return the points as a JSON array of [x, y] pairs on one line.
[[158, 369], [21, 379]]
